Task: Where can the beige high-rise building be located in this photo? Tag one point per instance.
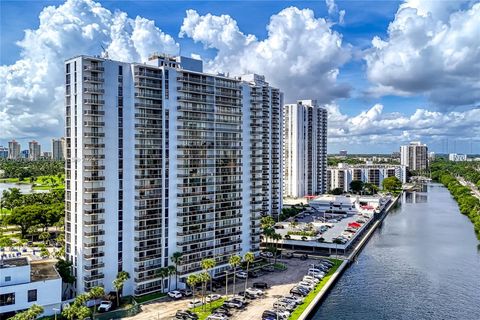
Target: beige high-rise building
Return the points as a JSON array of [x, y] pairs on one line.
[[13, 149], [58, 149], [414, 156], [34, 150]]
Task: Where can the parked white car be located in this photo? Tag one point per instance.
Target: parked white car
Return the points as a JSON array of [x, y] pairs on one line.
[[255, 291], [175, 294], [311, 279], [306, 284], [213, 297], [194, 303], [105, 306], [242, 275]]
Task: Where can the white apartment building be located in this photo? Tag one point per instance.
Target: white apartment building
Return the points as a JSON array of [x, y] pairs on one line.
[[13, 149], [457, 157], [163, 158], [414, 156], [34, 150], [343, 174], [58, 149], [24, 283], [304, 149]]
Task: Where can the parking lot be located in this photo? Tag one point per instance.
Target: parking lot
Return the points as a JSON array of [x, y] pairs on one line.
[[280, 283]]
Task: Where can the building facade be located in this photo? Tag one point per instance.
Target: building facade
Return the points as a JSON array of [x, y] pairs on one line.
[[304, 149], [163, 158], [3, 152], [58, 149], [34, 150], [343, 174], [414, 156], [13, 150], [24, 283], [457, 157]]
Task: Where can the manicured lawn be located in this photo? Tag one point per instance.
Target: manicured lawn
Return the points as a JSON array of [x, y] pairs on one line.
[[48, 182], [203, 314], [14, 180], [280, 266], [150, 297], [308, 299]]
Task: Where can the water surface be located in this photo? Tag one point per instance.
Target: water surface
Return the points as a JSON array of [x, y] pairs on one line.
[[423, 263]]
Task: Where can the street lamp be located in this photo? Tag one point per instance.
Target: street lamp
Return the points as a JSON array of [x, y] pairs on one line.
[[56, 310]]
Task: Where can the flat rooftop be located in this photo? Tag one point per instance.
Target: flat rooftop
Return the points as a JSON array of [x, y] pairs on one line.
[[43, 270], [14, 262]]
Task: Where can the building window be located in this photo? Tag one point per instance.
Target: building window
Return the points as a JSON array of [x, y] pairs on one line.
[[8, 278], [32, 295], [7, 299]]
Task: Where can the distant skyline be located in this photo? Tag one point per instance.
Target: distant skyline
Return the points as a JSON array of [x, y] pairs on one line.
[[389, 72]]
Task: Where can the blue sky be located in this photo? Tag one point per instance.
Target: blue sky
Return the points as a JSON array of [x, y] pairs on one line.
[[396, 110]]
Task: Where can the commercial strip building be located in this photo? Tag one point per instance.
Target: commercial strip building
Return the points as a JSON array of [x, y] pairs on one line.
[[457, 157], [24, 283], [163, 158], [342, 175], [414, 156], [304, 149]]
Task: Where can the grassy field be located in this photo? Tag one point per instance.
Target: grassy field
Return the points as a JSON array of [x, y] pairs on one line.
[[308, 299], [49, 182], [15, 180], [150, 297], [203, 314]]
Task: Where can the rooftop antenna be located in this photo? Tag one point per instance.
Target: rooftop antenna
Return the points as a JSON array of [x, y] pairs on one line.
[[104, 53]]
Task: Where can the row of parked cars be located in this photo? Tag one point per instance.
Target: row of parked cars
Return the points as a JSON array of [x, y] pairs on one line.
[[283, 307], [350, 231], [238, 302]]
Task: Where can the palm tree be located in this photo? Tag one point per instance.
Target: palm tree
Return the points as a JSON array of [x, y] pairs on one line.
[[83, 312], [171, 270], [203, 279], [176, 259], [192, 281], [96, 293], [70, 312], [248, 258], [44, 236], [276, 237], [162, 273], [118, 283], [208, 265], [234, 263]]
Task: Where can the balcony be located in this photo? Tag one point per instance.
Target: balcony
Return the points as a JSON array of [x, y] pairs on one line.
[[93, 277], [93, 266], [94, 244], [95, 233], [93, 79], [90, 256]]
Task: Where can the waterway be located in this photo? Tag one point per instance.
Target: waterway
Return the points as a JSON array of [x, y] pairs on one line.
[[422, 263]]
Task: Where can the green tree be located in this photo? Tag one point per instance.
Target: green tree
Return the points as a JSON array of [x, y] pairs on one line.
[[171, 271], [70, 312], [208, 265], [44, 236], [162, 273], [356, 186], [203, 279], [176, 258], [391, 184], [234, 262], [118, 283], [249, 258], [24, 217], [192, 281], [94, 294], [83, 312], [336, 191], [30, 314]]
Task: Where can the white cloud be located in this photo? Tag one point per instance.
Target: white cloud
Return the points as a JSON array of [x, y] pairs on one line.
[[301, 53], [374, 126], [433, 48], [31, 92]]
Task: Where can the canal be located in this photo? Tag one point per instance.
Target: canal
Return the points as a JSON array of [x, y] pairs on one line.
[[422, 263]]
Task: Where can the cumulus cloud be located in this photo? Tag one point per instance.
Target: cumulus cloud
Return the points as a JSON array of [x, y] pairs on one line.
[[432, 48], [374, 126], [301, 53], [31, 94]]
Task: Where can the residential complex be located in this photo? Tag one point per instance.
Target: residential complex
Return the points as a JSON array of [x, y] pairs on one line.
[[163, 158], [341, 176], [58, 149], [304, 149], [457, 157], [414, 156], [34, 150], [3, 152], [13, 149], [24, 283]]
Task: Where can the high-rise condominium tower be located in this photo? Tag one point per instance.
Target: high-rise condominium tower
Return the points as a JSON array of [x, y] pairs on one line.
[[163, 158], [304, 149], [58, 149], [13, 149], [414, 156], [34, 150]]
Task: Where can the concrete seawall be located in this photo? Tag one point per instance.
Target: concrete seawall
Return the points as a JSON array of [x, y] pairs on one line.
[[351, 257]]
